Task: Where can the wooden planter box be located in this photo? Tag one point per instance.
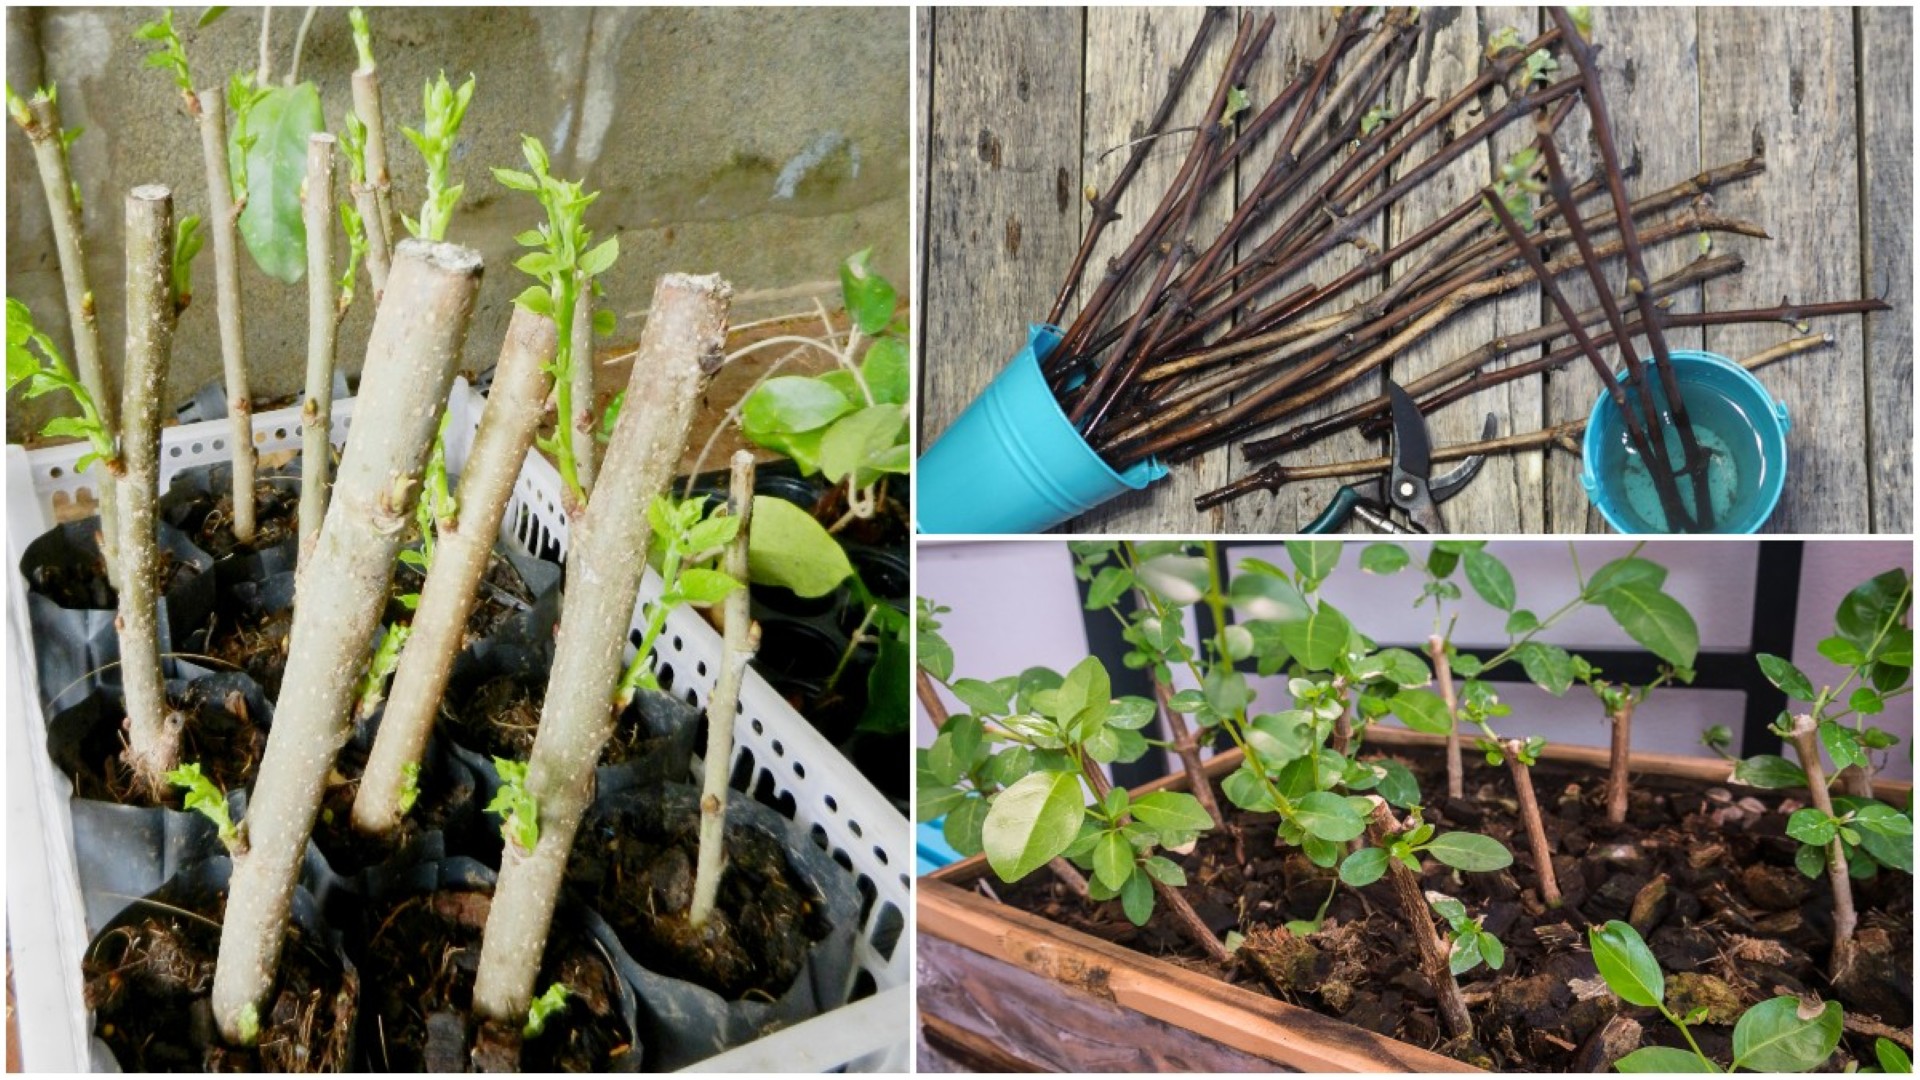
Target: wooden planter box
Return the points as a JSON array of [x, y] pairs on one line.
[[1002, 988]]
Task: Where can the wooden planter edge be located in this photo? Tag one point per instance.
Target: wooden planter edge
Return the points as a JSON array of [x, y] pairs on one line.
[[1246, 1021]]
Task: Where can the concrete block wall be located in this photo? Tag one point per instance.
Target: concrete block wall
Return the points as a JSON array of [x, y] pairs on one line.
[[764, 144]]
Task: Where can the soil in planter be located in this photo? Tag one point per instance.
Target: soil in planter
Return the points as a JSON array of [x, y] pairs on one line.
[[276, 519], [254, 643], [1707, 876], [149, 985], [502, 595], [419, 974], [220, 735], [444, 794], [763, 924], [503, 715]]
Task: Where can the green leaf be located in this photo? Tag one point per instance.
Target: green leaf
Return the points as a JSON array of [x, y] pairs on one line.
[[1165, 871], [600, 259], [1662, 1059], [702, 587], [1490, 578], [1364, 867], [1422, 710], [856, 445], [1549, 666], [788, 548], [1866, 701], [1086, 688], [885, 370], [1782, 1035], [1108, 586], [1629, 571], [869, 298], [280, 123], [1031, 822], [1627, 964], [1465, 954], [791, 403], [1277, 738], [1112, 859], [1892, 1059], [1245, 789], [932, 799], [1328, 816], [1842, 652], [1318, 640], [1136, 899], [1522, 622], [1384, 558], [1171, 812], [1885, 833], [1397, 666], [1315, 559], [1812, 826], [1397, 785], [984, 698], [1178, 579], [1865, 611], [1655, 620], [1470, 851], [1781, 673], [1843, 745], [536, 300], [1768, 771], [1131, 713]]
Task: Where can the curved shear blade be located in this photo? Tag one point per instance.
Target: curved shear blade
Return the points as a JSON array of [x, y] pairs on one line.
[[1448, 484], [1412, 462]]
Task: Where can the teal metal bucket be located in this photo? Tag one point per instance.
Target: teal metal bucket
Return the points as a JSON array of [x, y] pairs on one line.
[[1012, 462], [1740, 425]]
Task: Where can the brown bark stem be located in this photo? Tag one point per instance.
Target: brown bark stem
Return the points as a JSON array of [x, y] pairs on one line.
[[323, 322], [1188, 750], [683, 341], [1434, 954], [1272, 476], [1443, 674], [740, 640], [222, 222], [366, 105], [1805, 740], [417, 338], [1619, 762], [69, 242], [1536, 827], [153, 736], [462, 549], [1171, 898]]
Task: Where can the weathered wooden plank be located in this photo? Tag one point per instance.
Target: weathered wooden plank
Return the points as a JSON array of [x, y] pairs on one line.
[[1650, 76], [1886, 121], [1039, 1021], [1130, 55], [1505, 496], [1786, 76], [1001, 218], [923, 22], [1301, 36]]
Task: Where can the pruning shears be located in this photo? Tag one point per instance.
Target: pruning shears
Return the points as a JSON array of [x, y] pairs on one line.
[[1409, 485]]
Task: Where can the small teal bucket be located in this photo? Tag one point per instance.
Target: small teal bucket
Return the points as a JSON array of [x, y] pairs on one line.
[[1013, 463], [1735, 420]]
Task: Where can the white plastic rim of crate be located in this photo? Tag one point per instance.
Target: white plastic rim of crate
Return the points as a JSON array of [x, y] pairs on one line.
[[862, 1030], [833, 799]]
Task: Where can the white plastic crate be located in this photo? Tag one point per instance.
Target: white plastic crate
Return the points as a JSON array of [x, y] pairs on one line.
[[787, 761]]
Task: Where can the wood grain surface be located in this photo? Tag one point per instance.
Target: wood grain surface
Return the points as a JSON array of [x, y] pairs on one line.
[[1022, 105]]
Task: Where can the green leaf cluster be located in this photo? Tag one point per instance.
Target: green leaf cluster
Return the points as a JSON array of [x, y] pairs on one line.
[[34, 360], [1468, 943], [544, 1008], [519, 813], [686, 538], [849, 424], [444, 108], [203, 798], [1782, 1034], [380, 667], [171, 55]]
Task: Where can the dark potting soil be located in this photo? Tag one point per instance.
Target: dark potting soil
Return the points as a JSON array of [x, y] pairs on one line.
[[763, 924], [150, 986], [255, 644], [503, 715], [348, 850], [276, 519], [419, 972], [1705, 874], [86, 589], [219, 734], [502, 595]]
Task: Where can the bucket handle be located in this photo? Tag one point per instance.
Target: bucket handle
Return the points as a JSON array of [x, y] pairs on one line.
[[1780, 414]]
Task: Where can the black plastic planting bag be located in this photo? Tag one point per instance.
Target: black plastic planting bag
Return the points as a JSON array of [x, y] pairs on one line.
[[188, 1022], [195, 493], [447, 785], [72, 609], [681, 1021], [458, 873], [121, 851]]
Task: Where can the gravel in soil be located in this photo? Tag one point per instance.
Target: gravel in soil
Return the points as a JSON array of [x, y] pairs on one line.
[[1705, 874], [419, 970], [641, 879], [150, 984]]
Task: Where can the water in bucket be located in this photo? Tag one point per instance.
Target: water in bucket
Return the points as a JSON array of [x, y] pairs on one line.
[[1736, 468]]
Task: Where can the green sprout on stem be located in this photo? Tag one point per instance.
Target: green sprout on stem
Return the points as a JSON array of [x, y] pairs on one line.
[[242, 96], [1517, 185], [22, 113], [445, 108], [249, 1024], [409, 786], [1468, 943], [1540, 66], [187, 242], [519, 813], [1782, 1034], [362, 38], [1502, 40], [1717, 738], [543, 1008], [684, 536], [171, 56], [356, 231], [203, 798], [433, 512], [386, 657], [33, 359], [563, 261], [1375, 117]]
